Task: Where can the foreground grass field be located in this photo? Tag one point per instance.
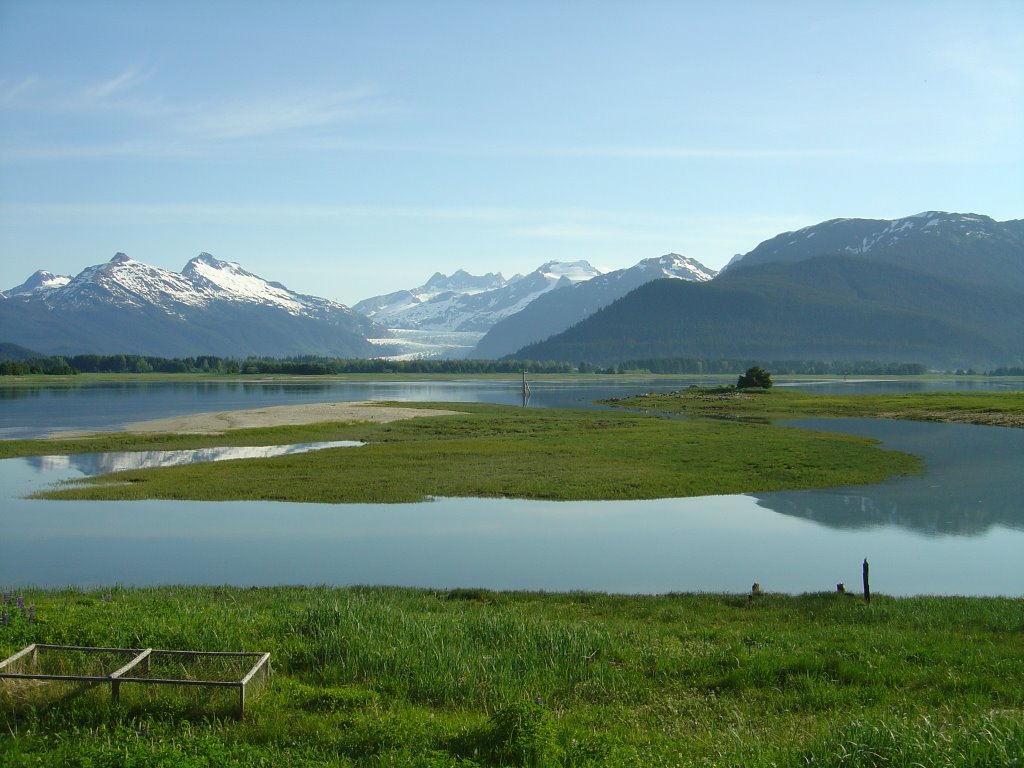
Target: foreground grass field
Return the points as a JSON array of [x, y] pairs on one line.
[[495, 451], [396, 677]]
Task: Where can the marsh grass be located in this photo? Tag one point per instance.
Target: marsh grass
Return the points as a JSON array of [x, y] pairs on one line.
[[995, 408], [497, 451], [386, 676]]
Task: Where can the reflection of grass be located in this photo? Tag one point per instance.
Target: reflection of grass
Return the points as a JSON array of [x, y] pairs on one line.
[[998, 408], [501, 451], [380, 676]]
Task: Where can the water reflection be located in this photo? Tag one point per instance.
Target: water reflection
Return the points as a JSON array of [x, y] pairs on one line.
[[32, 412], [959, 529], [971, 483], [116, 461]]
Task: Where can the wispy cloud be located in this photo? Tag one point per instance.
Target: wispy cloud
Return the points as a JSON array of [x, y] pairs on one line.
[[701, 153], [290, 112], [118, 84], [288, 211], [11, 93], [142, 121], [570, 231]]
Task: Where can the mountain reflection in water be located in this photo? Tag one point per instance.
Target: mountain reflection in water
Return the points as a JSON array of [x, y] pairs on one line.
[[116, 461], [971, 481]]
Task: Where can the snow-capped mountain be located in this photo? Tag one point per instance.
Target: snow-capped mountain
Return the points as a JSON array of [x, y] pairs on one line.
[[40, 282], [554, 312], [463, 303], [394, 305], [210, 307], [964, 246], [942, 289]]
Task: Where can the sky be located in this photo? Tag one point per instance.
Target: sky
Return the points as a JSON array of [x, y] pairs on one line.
[[351, 149]]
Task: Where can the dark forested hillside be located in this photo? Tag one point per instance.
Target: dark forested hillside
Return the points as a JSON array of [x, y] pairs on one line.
[[832, 307]]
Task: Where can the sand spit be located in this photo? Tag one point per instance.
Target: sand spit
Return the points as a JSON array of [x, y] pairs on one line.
[[272, 416]]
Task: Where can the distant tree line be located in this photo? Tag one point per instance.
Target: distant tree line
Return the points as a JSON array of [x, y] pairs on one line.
[[312, 365], [699, 366], [52, 366], [306, 365]]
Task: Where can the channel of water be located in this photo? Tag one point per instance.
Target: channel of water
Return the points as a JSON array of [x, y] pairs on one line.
[[957, 530]]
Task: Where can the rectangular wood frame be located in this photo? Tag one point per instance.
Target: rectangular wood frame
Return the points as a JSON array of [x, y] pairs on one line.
[[257, 674]]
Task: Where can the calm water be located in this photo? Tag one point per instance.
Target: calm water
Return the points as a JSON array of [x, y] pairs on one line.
[[28, 412], [957, 530]]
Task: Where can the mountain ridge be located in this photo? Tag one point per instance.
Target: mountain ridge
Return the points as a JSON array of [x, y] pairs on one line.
[[555, 312], [440, 305], [211, 307], [956, 304]]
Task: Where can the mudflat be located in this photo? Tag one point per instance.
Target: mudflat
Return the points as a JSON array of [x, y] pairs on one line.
[[275, 416]]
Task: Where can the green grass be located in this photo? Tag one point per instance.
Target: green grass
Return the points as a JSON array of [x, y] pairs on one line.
[[384, 676], [497, 451], [996, 408]]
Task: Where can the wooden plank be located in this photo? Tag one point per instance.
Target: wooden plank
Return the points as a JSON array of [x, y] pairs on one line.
[[23, 652], [73, 678], [141, 657], [259, 664], [178, 681]]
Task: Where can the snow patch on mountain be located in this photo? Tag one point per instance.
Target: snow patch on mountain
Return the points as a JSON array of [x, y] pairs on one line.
[[470, 304], [40, 282], [867, 236], [204, 281], [122, 280], [211, 307], [227, 280]]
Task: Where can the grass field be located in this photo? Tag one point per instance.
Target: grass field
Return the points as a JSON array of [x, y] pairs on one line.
[[397, 677], [495, 451], [993, 408]]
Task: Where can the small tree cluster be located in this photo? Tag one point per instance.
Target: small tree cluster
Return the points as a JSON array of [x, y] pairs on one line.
[[755, 376]]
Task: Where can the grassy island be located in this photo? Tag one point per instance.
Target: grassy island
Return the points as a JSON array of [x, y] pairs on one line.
[[399, 677], [1002, 409], [493, 451]]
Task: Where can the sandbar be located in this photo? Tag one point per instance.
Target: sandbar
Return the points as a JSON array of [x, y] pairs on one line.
[[274, 416]]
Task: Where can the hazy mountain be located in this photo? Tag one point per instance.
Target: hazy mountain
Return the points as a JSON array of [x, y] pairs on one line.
[[393, 308], [465, 303], [10, 351], [40, 282], [948, 294], [210, 307], [553, 312], [957, 246]]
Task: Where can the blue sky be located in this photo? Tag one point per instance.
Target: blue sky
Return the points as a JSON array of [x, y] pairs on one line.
[[350, 149]]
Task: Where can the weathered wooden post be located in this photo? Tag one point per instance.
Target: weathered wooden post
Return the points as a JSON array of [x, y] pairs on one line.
[[867, 582]]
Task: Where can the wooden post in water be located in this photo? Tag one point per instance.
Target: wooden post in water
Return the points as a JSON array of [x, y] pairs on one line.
[[526, 391], [867, 582]]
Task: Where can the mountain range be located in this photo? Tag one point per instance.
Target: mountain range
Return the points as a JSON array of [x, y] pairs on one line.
[[943, 289], [556, 311], [210, 307], [465, 303]]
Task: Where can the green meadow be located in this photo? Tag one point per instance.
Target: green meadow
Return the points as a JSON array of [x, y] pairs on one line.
[[401, 677], [992, 408], [494, 451]]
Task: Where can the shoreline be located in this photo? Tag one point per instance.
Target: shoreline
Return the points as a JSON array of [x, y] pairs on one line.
[[218, 422]]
